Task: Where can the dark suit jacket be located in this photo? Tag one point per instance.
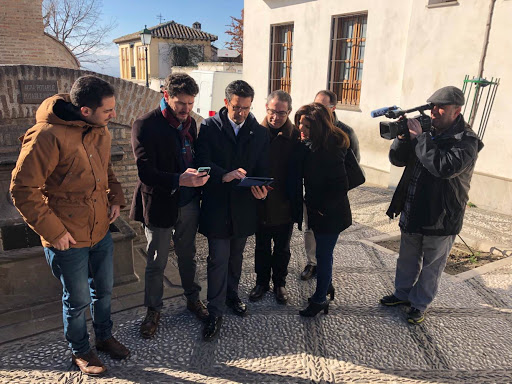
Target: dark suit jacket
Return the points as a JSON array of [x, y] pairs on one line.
[[276, 209], [155, 199], [229, 211], [354, 142]]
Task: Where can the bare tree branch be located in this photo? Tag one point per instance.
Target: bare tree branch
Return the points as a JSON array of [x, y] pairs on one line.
[[77, 23], [236, 31]]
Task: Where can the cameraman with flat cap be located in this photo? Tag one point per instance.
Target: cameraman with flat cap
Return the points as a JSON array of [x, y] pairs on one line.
[[430, 198]]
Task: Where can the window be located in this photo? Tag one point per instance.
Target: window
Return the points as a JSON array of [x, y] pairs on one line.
[[125, 63], [347, 57], [132, 64], [433, 2], [141, 62], [281, 47]]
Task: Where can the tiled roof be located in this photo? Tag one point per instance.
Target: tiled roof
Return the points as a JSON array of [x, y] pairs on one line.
[[171, 30]]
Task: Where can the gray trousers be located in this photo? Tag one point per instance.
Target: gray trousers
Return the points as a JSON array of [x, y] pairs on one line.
[[421, 262], [309, 240], [184, 237], [224, 270]]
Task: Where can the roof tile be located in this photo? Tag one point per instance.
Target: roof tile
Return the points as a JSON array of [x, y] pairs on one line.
[[171, 30]]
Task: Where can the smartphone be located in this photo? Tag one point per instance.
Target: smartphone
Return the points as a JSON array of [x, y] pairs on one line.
[[204, 169]]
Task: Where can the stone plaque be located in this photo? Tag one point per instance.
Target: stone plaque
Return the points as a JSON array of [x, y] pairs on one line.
[[35, 91]]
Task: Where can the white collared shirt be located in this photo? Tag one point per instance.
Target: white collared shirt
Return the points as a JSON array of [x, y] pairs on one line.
[[235, 126]]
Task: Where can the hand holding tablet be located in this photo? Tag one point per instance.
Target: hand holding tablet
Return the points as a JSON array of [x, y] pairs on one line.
[[255, 181]]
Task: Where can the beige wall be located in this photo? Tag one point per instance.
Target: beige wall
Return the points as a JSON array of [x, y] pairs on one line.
[[155, 72], [22, 37], [411, 50]]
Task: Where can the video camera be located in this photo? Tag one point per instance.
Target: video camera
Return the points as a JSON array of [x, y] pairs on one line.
[[391, 129]]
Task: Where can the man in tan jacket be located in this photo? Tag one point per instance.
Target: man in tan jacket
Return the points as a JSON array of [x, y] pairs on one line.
[[65, 189]]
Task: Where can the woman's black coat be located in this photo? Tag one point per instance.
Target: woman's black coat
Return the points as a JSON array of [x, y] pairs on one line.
[[229, 211], [326, 186]]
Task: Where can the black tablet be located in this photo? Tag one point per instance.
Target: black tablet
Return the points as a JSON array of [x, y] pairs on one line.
[[255, 181]]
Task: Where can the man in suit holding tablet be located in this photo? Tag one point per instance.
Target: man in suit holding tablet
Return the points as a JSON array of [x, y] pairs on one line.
[[234, 146]]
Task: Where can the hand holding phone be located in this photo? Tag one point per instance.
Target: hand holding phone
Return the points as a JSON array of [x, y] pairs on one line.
[[204, 169]]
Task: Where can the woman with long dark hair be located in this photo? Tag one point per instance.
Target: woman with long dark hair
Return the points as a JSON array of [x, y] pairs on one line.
[[326, 187]]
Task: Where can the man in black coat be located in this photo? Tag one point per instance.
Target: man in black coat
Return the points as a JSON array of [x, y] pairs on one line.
[[165, 199], [234, 146], [430, 198], [329, 99], [275, 219]]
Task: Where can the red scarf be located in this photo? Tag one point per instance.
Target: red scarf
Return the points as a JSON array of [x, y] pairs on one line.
[[185, 137]]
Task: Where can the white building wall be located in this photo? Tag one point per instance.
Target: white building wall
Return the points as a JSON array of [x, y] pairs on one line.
[[445, 44], [384, 57], [411, 50], [492, 183]]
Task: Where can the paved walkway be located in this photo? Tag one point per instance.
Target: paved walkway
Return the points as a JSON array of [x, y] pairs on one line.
[[466, 338]]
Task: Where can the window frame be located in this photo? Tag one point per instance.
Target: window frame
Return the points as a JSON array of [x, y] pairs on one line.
[[441, 3], [352, 99], [141, 62], [286, 81]]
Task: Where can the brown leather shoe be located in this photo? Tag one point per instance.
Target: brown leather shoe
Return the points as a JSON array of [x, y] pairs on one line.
[[114, 348], [89, 363], [198, 308], [150, 324]]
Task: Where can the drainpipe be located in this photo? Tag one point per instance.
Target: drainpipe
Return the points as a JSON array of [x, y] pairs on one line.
[[482, 58]]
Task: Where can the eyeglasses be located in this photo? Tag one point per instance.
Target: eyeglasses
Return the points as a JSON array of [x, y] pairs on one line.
[[272, 112], [237, 108]]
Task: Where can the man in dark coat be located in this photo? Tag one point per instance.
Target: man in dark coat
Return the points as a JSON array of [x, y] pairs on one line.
[[165, 199], [329, 99], [430, 198], [275, 219], [234, 145]]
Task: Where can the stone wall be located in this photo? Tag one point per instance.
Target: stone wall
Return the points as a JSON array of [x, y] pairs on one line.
[[132, 101], [22, 37]]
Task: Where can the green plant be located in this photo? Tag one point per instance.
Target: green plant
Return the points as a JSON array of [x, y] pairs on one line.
[[471, 205], [473, 258]]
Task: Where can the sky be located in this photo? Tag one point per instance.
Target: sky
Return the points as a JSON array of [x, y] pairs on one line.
[[131, 16]]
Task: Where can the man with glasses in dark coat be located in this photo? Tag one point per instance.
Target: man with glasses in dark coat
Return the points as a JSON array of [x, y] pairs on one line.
[[234, 146], [275, 220]]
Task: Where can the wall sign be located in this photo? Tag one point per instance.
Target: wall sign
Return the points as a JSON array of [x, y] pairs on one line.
[[35, 91]]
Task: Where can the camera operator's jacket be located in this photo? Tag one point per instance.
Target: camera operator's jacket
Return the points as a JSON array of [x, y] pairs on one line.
[[441, 193]]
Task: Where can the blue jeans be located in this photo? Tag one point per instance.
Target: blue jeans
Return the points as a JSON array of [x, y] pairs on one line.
[[87, 277], [325, 243]]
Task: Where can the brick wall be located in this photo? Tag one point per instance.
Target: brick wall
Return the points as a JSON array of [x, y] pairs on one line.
[[132, 101], [22, 37]]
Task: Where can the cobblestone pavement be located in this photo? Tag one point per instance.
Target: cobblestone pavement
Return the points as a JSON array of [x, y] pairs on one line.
[[466, 337]]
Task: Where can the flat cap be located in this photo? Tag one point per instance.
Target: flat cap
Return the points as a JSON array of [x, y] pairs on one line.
[[447, 95]]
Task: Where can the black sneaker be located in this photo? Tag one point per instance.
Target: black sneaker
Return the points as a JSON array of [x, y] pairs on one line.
[[392, 300], [415, 316]]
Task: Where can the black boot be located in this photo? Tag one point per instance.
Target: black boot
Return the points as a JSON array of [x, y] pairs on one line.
[[330, 292], [313, 309]]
